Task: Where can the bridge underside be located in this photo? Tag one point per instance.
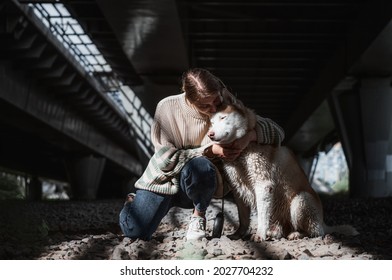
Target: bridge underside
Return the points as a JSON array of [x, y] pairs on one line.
[[321, 69], [54, 117]]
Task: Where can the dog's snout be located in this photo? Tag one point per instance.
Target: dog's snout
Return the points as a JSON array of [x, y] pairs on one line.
[[211, 135]]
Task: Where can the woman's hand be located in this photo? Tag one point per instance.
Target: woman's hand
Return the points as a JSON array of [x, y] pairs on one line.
[[232, 150], [225, 151]]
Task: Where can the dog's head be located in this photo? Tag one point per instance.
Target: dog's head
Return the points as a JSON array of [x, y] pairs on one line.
[[228, 124]]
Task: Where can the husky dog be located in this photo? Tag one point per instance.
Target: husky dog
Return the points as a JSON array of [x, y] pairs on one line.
[[269, 179]]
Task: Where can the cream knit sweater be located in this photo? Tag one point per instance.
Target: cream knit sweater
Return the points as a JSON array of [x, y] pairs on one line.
[[180, 125], [179, 133]]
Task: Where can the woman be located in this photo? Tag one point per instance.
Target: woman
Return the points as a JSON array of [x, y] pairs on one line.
[[182, 171]]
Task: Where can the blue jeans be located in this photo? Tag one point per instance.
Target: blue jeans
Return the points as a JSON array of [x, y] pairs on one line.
[[141, 218]]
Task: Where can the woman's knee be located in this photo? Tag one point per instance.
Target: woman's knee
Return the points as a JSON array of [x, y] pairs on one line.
[[200, 173], [131, 224], [198, 167], [141, 218]]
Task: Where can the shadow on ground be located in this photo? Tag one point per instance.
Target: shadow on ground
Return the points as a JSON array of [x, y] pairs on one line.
[[89, 230]]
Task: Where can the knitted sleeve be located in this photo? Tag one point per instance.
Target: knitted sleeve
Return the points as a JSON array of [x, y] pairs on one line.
[[268, 132], [163, 169], [161, 134]]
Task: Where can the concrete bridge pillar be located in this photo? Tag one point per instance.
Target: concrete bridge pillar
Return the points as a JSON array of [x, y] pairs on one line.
[[363, 115], [34, 189], [84, 176]]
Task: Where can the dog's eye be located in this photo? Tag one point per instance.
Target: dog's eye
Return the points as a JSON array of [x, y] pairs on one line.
[[222, 117]]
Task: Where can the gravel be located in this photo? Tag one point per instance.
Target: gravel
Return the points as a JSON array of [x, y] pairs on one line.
[[89, 230]]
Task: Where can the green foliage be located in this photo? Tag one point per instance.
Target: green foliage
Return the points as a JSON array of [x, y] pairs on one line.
[[342, 185], [10, 188]]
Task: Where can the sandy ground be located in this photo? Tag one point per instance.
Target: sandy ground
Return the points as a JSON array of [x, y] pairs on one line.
[[89, 230]]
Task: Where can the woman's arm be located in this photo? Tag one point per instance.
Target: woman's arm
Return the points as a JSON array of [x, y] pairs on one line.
[[161, 131], [268, 132]]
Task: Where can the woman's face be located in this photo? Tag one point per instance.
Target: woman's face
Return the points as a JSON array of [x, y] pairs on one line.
[[208, 105]]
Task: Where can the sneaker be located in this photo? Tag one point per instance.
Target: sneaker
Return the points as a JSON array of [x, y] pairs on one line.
[[196, 228]]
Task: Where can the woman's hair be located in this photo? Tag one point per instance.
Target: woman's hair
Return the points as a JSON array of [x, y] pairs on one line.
[[198, 83]]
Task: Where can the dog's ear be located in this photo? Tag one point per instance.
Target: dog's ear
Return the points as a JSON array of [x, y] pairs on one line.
[[248, 113], [240, 107], [229, 99], [223, 106]]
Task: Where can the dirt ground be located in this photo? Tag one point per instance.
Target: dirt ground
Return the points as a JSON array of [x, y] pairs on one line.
[[89, 230]]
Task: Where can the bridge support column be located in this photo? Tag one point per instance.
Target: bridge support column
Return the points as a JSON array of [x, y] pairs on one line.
[[85, 175], [34, 189], [363, 116]]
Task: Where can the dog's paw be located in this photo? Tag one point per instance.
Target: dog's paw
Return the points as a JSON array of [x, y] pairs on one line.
[[258, 237], [295, 235], [275, 232]]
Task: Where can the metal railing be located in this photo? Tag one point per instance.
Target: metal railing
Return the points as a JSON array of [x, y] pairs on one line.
[[70, 33]]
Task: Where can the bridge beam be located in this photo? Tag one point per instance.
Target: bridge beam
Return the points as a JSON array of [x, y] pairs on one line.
[[34, 189]]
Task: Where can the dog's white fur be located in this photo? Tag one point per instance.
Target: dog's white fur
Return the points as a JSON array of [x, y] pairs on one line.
[[270, 180]]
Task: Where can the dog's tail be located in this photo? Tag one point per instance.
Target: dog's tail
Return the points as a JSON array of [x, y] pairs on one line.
[[341, 229]]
